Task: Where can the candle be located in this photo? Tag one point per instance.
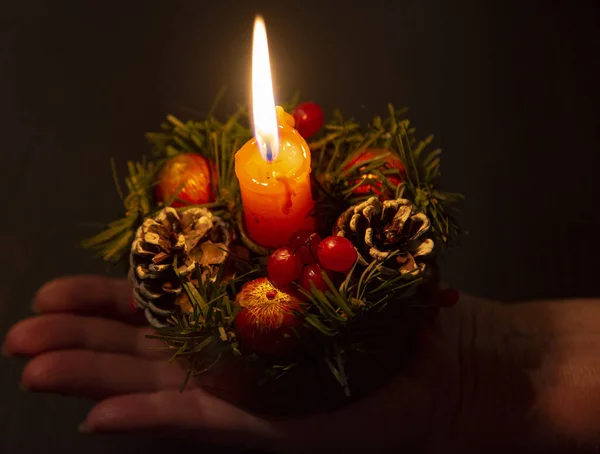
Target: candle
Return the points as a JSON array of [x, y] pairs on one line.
[[273, 168]]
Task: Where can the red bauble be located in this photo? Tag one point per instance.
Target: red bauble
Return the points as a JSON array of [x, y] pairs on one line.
[[267, 317], [314, 273], [337, 253], [377, 187], [189, 173], [308, 117], [305, 244], [283, 266]]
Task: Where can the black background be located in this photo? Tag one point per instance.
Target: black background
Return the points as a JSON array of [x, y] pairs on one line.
[[509, 88]]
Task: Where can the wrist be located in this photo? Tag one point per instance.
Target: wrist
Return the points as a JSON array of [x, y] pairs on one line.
[[489, 400], [528, 378]]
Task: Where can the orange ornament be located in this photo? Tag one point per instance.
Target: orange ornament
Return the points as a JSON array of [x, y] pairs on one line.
[[267, 316], [377, 187], [189, 173]]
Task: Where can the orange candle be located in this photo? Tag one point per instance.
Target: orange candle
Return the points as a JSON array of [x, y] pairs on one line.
[[273, 168]]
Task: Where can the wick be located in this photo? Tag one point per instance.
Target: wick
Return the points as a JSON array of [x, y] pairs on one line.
[[269, 171], [271, 294], [269, 151]]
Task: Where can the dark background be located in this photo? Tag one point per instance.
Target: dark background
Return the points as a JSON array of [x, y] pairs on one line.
[[509, 88]]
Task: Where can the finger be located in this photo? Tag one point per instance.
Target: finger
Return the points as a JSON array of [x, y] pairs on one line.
[[193, 411], [97, 295], [84, 373], [45, 333], [213, 420]]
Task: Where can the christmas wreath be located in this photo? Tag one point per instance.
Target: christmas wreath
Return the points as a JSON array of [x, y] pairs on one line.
[[321, 311]]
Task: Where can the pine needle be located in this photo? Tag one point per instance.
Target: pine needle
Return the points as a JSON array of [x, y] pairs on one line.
[[339, 320]]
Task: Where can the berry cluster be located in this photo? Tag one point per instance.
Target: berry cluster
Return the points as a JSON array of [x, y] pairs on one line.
[[307, 257]]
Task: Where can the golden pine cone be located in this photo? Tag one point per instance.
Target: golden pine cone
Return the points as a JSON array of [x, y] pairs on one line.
[[193, 238], [391, 232]]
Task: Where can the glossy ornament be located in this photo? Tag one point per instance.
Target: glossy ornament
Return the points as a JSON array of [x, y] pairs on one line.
[[267, 317], [309, 118], [375, 186], [189, 173]]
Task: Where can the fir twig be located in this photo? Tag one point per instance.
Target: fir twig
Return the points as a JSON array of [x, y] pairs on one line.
[[355, 309], [114, 242]]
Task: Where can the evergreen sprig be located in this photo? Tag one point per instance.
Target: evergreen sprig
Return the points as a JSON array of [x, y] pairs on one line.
[[339, 176], [210, 138], [204, 334], [113, 244], [340, 319], [343, 318]]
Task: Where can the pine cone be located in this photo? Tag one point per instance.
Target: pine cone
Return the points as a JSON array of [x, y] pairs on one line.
[[379, 229], [193, 237]]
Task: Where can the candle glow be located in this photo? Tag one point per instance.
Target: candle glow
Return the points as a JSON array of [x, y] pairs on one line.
[[263, 101], [273, 168]]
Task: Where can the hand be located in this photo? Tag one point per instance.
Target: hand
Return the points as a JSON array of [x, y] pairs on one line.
[[88, 341]]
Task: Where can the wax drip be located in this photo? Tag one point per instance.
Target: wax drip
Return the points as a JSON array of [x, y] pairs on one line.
[[289, 193]]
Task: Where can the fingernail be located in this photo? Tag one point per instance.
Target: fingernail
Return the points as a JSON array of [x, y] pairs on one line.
[[83, 428]]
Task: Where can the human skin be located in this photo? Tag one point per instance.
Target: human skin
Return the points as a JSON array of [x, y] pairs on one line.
[[488, 378]]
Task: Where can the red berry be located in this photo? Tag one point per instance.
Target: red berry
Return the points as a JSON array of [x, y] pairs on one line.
[[314, 273], [337, 253], [308, 117], [283, 266], [305, 243]]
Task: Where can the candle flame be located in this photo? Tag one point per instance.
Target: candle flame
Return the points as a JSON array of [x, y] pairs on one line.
[[263, 103]]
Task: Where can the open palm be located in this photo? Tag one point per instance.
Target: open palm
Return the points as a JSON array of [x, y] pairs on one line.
[[88, 341]]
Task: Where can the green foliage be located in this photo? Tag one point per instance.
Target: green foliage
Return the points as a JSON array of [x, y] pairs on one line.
[[343, 318], [339, 320], [212, 139], [113, 244], [338, 179], [203, 335]]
